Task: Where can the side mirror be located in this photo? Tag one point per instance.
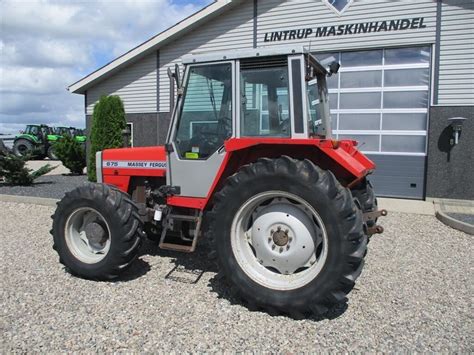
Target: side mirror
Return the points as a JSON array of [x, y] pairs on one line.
[[177, 76], [334, 68]]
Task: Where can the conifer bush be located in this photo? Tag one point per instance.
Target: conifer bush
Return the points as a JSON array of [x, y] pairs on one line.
[[14, 171], [108, 122], [71, 153]]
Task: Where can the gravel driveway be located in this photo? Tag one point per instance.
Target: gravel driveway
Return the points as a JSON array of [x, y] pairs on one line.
[[415, 294]]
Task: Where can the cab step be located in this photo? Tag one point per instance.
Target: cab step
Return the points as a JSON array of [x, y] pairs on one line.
[[186, 248]]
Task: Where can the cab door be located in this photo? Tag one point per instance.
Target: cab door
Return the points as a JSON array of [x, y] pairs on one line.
[[203, 120]]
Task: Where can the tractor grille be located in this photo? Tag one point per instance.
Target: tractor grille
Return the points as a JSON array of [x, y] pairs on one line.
[[263, 62]]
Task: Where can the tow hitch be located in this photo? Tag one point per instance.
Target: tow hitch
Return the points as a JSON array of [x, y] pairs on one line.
[[370, 218]]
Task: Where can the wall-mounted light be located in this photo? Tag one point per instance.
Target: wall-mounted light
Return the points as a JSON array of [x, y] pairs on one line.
[[456, 125]]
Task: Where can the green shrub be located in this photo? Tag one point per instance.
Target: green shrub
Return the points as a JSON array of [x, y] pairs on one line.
[[71, 153], [13, 169], [108, 121]]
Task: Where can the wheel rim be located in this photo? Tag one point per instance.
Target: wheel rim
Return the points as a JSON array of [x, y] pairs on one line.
[[87, 235], [279, 240]]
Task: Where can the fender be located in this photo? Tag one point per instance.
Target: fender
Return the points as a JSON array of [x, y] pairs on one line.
[[342, 157]]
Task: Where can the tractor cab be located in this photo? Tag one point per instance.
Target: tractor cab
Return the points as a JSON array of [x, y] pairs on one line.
[[243, 96]]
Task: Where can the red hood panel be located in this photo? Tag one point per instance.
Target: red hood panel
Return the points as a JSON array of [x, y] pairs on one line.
[[140, 161]]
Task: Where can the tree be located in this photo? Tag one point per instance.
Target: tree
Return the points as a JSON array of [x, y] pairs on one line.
[[108, 122], [71, 153], [13, 169]]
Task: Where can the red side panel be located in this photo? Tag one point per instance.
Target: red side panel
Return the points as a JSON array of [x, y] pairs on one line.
[[118, 165]]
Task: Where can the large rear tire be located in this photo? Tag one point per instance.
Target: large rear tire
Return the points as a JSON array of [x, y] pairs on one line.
[[22, 147], [364, 193], [96, 231], [288, 236]]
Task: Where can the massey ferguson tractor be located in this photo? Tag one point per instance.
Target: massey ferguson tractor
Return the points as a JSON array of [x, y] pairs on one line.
[[250, 164]]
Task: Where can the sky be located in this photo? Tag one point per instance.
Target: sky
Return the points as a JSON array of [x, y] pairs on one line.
[[46, 45]]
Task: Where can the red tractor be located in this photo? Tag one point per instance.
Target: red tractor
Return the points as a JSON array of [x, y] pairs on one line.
[[250, 164]]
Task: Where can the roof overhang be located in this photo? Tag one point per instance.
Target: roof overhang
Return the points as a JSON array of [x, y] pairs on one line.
[[153, 44]]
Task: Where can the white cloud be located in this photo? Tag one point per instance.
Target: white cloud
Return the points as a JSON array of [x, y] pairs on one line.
[[45, 45]]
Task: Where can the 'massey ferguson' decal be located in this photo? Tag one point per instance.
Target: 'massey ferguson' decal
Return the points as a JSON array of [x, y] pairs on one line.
[[134, 164]]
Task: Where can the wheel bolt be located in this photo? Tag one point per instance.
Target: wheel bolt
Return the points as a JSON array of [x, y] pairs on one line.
[[281, 250], [287, 246], [273, 247], [290, 240], [286, 231], [272, 231], [269, 240]]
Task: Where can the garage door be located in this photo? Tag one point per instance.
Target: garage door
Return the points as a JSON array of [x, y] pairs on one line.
[[380, 98]]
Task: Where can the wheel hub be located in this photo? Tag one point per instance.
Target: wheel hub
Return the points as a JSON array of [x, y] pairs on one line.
[[273, 237], [87, 235], [96, 234], [280, 237]]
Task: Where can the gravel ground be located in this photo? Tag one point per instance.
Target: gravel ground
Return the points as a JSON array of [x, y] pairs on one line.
[[49, 186], [415, 294]]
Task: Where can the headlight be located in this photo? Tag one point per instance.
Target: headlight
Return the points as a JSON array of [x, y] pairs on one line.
[[98, 167]]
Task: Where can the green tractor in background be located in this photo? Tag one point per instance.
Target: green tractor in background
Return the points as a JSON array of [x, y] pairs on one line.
[[59, 132], [36, 140]]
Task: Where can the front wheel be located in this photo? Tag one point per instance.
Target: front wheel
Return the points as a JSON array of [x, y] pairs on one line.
[[96, 231], [288, 236], [22, 147]]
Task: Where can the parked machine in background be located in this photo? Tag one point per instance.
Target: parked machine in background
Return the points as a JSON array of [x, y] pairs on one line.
[[35, 141], [287, 209]]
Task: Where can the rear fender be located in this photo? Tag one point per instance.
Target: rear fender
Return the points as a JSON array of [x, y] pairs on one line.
[[340, 157]]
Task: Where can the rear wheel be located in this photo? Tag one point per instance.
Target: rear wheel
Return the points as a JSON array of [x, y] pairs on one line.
[[96, 231], [22, 147], [288, 236], [364, 193]]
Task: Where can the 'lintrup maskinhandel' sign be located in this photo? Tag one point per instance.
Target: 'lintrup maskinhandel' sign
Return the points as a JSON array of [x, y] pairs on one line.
[[347, 29]]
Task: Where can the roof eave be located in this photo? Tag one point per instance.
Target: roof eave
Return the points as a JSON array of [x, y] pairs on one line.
[[81, 86]]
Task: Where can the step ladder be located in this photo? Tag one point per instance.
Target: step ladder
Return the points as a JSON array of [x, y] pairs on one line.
[[170, 219]]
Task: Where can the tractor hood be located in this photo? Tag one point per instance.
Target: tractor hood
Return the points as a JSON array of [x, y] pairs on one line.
[[120, 164]]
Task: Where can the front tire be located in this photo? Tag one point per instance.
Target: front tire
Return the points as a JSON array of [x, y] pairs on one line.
[[96, 231], [314, 213], [22, 147]]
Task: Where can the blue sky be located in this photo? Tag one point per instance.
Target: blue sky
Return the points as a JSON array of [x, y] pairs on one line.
[[46, 45]]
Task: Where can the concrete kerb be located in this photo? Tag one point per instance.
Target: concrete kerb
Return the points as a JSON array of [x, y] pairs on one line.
[[29, 199], [442, 207], [406, 206]]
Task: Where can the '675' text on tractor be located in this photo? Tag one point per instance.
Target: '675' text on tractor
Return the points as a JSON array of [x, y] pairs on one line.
[[249, 163]]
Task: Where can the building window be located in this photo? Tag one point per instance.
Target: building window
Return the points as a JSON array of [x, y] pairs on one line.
[[381, 98]]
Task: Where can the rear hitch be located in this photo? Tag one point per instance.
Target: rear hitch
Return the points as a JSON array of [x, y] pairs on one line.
[[372, 217]]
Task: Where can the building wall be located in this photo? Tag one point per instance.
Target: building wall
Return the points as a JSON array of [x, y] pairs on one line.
[[231, 31], [456, 55], [136, 85], [450, 172]]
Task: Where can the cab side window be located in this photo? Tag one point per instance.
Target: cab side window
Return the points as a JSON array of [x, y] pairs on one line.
[[264, 100]]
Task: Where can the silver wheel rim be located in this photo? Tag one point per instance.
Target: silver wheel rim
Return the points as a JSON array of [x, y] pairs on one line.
[[87, 235], [279, 240]]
